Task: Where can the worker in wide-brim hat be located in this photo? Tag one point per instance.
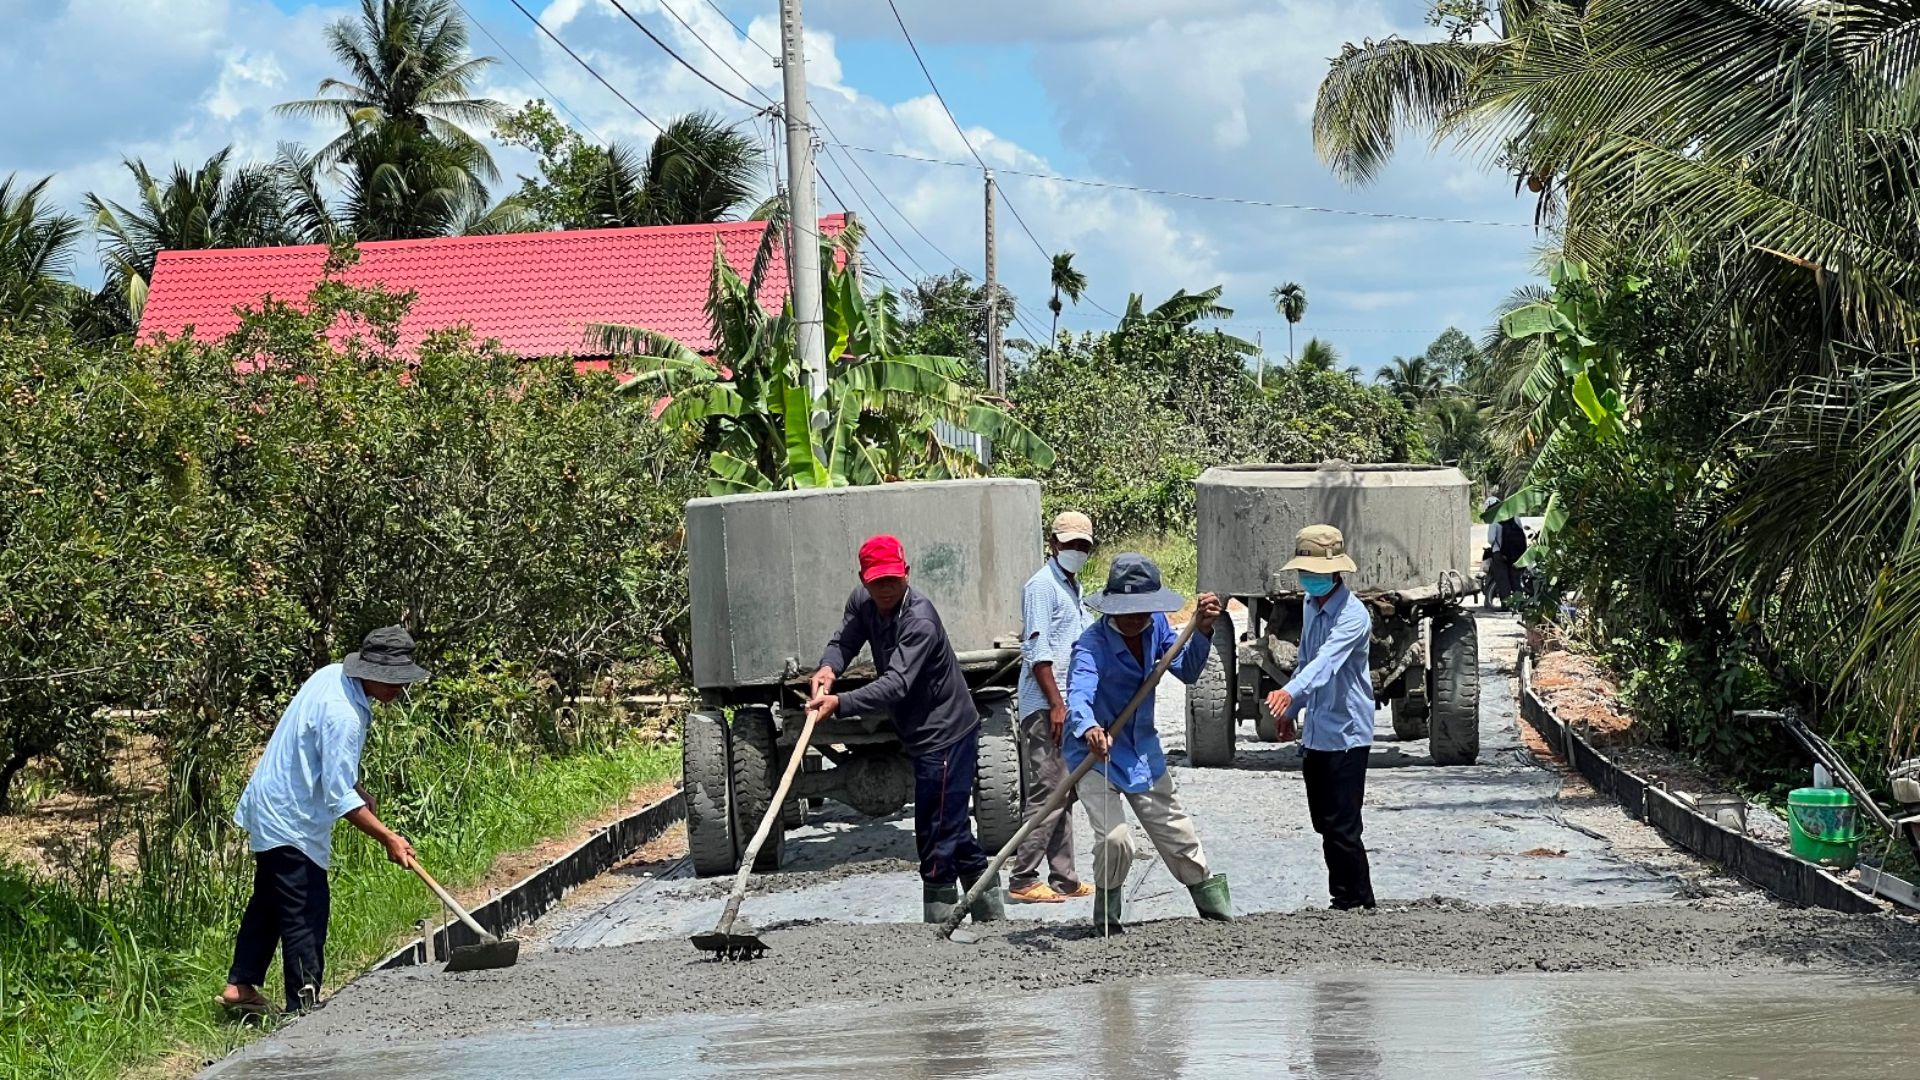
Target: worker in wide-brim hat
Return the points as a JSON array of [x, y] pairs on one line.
[[307, 779], [1332, 689], [920, 683], [1110, 662]]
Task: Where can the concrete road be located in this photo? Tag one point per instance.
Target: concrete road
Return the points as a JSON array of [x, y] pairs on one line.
[[1500, 831]]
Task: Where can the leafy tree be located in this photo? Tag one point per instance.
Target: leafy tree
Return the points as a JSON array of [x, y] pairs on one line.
[[36, 254], [1454, 355], [699, 170], [1319, 356], [213, 206], [946, 315], [751, 413], [1290, 301], [1180, 312], [1066, 281]]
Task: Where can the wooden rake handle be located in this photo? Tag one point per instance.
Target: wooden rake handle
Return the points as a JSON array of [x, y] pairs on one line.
[[766, 825], [447, 899], [991, 877]]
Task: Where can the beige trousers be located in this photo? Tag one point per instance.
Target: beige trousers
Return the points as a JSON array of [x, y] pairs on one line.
[[1161, 815]]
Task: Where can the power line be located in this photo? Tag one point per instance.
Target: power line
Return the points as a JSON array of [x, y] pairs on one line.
[[741, 30], [668, 49], [882, 192], [877, 219], [498, 44], [1237, 200], [717, 54]]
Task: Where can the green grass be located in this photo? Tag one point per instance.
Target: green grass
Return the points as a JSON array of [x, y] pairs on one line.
[[1175, 555], [103, 977]]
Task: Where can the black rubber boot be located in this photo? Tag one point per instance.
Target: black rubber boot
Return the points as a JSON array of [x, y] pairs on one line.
[[1106, 911], [1211, 899], [992, 905], [938, 901]]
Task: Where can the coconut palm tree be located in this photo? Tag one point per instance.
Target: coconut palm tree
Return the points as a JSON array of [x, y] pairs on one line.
[[213, 206], [406, 63], [1318, 356], [1412, 379], [36, 253], [1290, 300], [1067, 281], [395, 184]]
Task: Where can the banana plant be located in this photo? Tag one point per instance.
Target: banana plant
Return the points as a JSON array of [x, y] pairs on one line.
[[1576, 382], [749, 407]]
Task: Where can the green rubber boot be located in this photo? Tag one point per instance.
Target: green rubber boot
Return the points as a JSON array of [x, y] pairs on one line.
[[1106, 911], [1212, 900], [938, 901], [992, 905]]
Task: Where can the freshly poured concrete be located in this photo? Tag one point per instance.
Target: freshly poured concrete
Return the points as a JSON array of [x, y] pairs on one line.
[[1369, 1026], [1457, 832], [1537, 880]]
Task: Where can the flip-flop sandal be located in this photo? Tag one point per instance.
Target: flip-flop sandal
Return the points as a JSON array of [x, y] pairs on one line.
[[255, 1006]]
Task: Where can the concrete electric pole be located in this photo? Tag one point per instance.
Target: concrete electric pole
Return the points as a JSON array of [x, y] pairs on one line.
[[996, 375], [803, 274]]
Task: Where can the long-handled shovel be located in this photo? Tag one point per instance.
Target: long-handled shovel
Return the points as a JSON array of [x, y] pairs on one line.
[[492, 950], [722, 941], [991, 878]]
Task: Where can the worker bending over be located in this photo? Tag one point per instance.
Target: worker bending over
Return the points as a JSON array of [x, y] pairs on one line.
[[309, 778], [1110, 662], [1332, 685], [919, 681]]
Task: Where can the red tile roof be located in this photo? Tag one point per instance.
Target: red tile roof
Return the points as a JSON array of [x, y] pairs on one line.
[[535, 292]]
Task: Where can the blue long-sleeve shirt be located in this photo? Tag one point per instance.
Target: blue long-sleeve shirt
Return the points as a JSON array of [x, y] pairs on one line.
[[1331, 681], [1105, 677], [309, 776]]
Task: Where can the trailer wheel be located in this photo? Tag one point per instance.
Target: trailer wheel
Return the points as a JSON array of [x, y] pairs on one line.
[[1454, 689], [1211, 700], [999, 803], [757, 766], [705, 785], [1410, 713]]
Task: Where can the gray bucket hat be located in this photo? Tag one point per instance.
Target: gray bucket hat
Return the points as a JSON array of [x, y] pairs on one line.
[[1134, 588], [386, 656]]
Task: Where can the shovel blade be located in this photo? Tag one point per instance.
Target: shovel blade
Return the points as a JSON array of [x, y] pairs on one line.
[[484, 956]]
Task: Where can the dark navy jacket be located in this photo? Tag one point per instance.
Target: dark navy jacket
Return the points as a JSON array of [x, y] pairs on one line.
[[919, 681]]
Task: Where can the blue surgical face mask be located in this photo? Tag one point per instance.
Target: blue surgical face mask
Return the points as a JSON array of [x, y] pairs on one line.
[[1317, 585]]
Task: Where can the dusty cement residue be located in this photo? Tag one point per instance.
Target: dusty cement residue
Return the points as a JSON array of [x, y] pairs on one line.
[[821, 963]]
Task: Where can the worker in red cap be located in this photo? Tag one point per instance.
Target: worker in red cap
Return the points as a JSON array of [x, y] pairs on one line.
[[918, 680]]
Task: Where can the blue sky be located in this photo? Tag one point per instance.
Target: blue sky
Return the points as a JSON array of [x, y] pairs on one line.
[[1205, 96]]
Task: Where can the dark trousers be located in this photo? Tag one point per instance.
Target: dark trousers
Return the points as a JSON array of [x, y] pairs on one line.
[[942, 829], [289, 909], [1336, 785]]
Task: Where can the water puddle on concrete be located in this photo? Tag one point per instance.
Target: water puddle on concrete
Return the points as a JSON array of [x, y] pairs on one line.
[[1343, 1027]]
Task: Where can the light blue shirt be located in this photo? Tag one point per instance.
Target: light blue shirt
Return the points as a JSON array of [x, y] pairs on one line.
[[306, 779], [1332, 681], [1054, 619], [1105, 677]]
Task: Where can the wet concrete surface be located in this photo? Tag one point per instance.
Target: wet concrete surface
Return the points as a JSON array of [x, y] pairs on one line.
[[1349, 1026], [1494, 832]]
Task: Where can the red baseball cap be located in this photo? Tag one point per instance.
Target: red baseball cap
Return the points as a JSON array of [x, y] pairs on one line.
[[882, 557]]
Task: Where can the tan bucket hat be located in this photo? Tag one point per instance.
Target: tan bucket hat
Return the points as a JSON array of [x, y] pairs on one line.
[[1320, 549], [1072, 525]]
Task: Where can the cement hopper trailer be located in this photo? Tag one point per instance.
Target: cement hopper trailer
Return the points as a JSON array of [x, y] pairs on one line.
[[1409, 529], [770, 575]]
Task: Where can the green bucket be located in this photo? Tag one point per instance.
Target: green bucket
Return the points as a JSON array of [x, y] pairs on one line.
[[1823, 824]]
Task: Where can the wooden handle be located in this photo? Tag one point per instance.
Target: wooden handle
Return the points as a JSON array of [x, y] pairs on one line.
[[766, 824], [991, 877], [447, 899]]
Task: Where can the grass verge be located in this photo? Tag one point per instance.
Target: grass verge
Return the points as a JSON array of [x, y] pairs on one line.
[[106, 973]]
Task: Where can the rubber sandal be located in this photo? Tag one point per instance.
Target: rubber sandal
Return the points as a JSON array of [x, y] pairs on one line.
[[256, 1006]]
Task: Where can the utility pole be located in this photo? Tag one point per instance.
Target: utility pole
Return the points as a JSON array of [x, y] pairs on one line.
[[996, 377], [1260, 345], [803, 270]]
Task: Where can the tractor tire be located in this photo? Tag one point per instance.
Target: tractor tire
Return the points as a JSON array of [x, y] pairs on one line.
[[1211, 700], [1410, 713], [999, 803], [707, 788], [757, 766], [1453, 690]]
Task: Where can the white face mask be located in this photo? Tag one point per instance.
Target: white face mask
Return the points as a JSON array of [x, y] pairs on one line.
[[1071, 561]]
